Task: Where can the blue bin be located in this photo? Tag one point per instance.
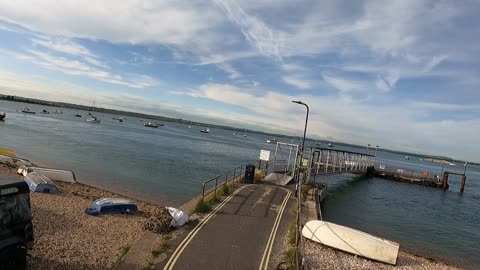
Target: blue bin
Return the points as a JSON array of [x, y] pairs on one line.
[[249, 174]]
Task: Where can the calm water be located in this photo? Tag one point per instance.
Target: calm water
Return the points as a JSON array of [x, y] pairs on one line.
[[167, 166]]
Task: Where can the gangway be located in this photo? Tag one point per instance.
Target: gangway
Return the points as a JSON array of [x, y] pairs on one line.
[[284, 164]]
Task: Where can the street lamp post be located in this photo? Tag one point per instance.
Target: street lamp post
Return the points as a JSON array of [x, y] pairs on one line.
[[298, 187], [306, 122]]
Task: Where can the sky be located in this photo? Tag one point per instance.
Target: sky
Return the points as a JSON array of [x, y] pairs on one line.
[[401, 74]]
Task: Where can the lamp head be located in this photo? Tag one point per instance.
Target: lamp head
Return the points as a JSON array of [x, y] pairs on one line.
[[297, 101]]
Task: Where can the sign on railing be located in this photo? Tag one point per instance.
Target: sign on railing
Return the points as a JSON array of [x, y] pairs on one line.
[[264, 155]]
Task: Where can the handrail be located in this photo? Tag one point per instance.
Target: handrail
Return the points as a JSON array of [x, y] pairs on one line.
[[238, 169]]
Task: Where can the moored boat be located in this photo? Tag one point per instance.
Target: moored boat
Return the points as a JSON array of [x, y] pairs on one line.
[[152, 125], [118, 119], [2, 116], [206, 130], [92, 119], [57, 112], [27, 110], [44, 111]]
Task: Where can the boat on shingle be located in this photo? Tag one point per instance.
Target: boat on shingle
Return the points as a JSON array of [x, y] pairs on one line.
[[40, 183], [111, 206]]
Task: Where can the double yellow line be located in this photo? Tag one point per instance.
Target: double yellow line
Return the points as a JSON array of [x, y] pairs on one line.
[[273, 233], [173, 259]]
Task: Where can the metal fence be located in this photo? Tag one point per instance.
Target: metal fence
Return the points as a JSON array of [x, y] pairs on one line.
[[217, 182], [405, 173]]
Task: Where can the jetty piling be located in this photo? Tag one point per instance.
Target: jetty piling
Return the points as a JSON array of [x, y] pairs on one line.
[[445, 184]]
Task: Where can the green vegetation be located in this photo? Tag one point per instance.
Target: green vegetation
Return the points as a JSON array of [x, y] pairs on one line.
[[124, 251], [163, 247], [258, 176], [289, 254], [202, 206], [225, 190], [306, 187]]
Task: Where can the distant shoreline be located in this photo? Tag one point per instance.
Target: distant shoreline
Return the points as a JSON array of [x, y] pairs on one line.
[[195, 123]]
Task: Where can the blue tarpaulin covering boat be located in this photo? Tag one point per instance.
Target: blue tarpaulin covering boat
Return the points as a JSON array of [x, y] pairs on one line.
[[111, 206], [40, 183]]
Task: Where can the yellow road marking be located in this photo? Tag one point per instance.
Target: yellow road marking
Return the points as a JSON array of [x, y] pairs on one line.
[[273, 233], [176, 254]]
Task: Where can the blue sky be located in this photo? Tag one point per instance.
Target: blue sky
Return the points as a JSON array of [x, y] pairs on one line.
[[401, 74]]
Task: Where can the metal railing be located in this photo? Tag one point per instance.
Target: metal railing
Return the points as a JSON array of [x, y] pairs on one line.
[[223, 179], [409, 173]]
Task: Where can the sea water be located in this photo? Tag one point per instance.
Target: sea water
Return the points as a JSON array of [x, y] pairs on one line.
[[168, 165]]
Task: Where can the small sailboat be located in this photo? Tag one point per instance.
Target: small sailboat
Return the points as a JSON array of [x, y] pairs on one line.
[[27, 110], [92, 119], [245, 133], [206, 130]]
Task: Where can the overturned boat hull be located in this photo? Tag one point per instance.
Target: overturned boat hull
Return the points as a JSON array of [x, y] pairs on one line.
[[351, 241]]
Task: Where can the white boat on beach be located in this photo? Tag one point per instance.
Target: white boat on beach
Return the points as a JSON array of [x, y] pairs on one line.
[[351, 241], [53, 174]]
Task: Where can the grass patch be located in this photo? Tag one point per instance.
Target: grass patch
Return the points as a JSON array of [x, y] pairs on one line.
[[149, 266], [163, 247], [225, 190], [291, 234], [258, 176], [124, 251], [202, 206]]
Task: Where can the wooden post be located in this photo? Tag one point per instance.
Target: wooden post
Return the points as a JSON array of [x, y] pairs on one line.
[[462, 186], [445, 180]]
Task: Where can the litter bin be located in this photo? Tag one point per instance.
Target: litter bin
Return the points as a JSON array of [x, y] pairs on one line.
[[249, 174]]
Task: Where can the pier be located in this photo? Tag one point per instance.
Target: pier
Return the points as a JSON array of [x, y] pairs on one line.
[[424, 178]]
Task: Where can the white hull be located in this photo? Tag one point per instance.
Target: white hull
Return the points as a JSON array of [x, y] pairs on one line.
[[54, 174], [351, 241]]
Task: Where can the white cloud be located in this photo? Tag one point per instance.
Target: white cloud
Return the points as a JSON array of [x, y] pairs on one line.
[[63, 45], [436, 60], [341, 84], [79, 68], [351, 120], [267, 40], [233, 73], [297, 82]]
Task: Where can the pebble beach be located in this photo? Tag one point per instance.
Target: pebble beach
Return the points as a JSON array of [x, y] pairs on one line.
[[67, 238]]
